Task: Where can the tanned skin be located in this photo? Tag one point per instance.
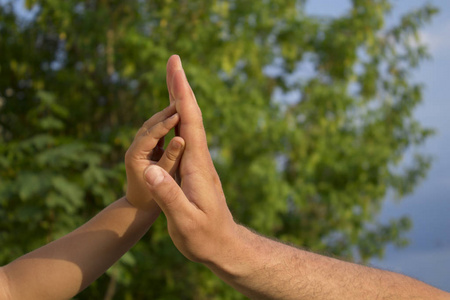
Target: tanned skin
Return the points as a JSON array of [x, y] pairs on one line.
[[202, 228], [66, 266]]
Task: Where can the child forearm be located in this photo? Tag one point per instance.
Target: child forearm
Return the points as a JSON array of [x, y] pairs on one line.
[[66, 266]]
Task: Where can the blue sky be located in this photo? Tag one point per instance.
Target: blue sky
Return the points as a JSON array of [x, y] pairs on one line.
[[427, 258]]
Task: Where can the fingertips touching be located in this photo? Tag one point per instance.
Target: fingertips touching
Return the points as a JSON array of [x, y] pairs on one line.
[[150, 143], [156, 118], [160, 129]]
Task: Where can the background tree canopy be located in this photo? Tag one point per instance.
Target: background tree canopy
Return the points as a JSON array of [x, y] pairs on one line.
[[305, 156]]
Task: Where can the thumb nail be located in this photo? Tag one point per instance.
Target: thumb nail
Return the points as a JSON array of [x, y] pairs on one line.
[[154, 175]]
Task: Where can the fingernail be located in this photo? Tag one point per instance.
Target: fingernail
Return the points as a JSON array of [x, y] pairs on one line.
[[154, 175], [177, 145]]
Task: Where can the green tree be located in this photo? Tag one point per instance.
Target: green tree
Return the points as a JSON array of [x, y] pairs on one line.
[[307, 157]]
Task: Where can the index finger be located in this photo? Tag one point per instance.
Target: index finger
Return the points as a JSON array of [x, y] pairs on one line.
[[173, 65], [191, 122]]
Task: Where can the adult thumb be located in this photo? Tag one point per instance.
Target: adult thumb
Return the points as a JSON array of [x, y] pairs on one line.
[[166, 192]]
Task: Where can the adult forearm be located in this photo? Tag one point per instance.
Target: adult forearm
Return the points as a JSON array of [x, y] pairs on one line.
[[261, 268], [66, 266]]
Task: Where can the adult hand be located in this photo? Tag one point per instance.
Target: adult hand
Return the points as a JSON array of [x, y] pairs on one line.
[[147, 149], [199, 221], [201, 226]]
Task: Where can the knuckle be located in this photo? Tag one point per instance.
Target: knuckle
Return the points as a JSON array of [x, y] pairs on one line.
[[128, 156], [172, 154], [151, 132], [190, 225], [145, 130], [148, 131], [148, 123]]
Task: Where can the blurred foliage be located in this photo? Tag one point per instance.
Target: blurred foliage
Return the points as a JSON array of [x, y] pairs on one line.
[[305, 156]]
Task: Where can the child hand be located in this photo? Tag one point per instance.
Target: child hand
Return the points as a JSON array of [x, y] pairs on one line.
[[147, 149]]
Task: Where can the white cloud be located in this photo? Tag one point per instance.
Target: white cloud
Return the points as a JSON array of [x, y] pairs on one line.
[[437, 38]]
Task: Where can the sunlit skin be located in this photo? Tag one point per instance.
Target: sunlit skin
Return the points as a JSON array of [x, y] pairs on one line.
[[66, 266], [199, 223], [202, 228]]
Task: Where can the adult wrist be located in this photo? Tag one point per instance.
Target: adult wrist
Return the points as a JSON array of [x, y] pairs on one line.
[[235, 259]]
